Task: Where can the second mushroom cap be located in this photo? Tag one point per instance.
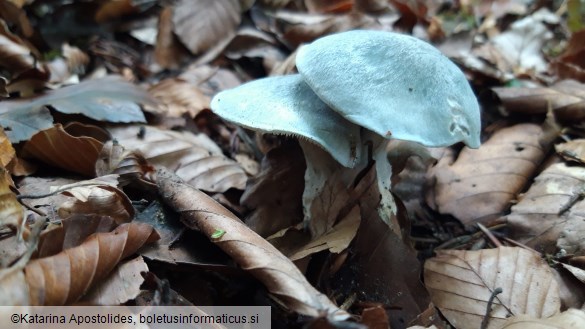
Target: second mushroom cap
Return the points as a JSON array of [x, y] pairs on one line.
[[395, 85]]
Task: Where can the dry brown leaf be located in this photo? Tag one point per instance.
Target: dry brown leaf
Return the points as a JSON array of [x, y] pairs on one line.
[[569, 319], [571, 64], [194, 158], [461, 283], [113, 9], [276, 192], [386, 268], [480, 184], [65, 277], [122, 285], [298, 28], [296, 243], [551, 213], [57, 147], [254, 254], [572, 150], [99, 200], [72, 232], [566, 98], [16, 55], [11, 212], [179, 97], [128, 164], [375, 318], [168, 51], [7, 152], [328, 6], [203, 24]]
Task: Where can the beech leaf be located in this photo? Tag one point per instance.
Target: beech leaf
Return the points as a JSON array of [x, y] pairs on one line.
[[254, 254], [461, 283]]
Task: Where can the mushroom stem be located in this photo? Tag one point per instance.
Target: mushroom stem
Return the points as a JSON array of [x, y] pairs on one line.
[[323, 171]]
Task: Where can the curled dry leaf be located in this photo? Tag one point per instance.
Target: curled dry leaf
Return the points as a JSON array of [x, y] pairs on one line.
[[570, 65], [11, 212], [16, 56], [72, 232], [64, 278], [569, 319], [194, 158], [128, 164], [551, 213], [566, 98], [202, 24], [254, 254], [7, 152], [461, 283], [100, 200], [54, 146], [572, 150], [480, 184]]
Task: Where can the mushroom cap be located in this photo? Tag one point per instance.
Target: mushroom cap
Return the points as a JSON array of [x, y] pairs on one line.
[[393, 84], [285, 105]]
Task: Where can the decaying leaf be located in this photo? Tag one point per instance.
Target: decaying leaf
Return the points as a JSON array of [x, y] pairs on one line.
[[520, 47], [479, 185], [276, 191], [72, 232], [11, 212], [65, 277], [7, 152], [168, 51], [16, 55], [195, 158], [570, 65], [551, 214], [54, 146], [254, 254], [461, 283], [129, 164], [100, 200], [572, 150], [202, 24], [566, 98], [179, 97], [569, 319], [121, 285]]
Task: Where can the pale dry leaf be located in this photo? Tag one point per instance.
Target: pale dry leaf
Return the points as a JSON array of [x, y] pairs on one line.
[[566, 98], [202, 24], [336, 239], [577, 272], [81, 190], [11, 212], [254, 254], [179, 97], [461, 283], [122, 285], [569, 319], [551, 214], [572, 150], [100, 200], [7, 152], [521, 46], [194, 158], [480, 184]]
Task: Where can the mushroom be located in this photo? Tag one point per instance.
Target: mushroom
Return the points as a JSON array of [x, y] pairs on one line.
[[357, 88]]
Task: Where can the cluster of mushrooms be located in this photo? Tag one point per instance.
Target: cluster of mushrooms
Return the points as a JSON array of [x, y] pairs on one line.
[[354, 89]]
